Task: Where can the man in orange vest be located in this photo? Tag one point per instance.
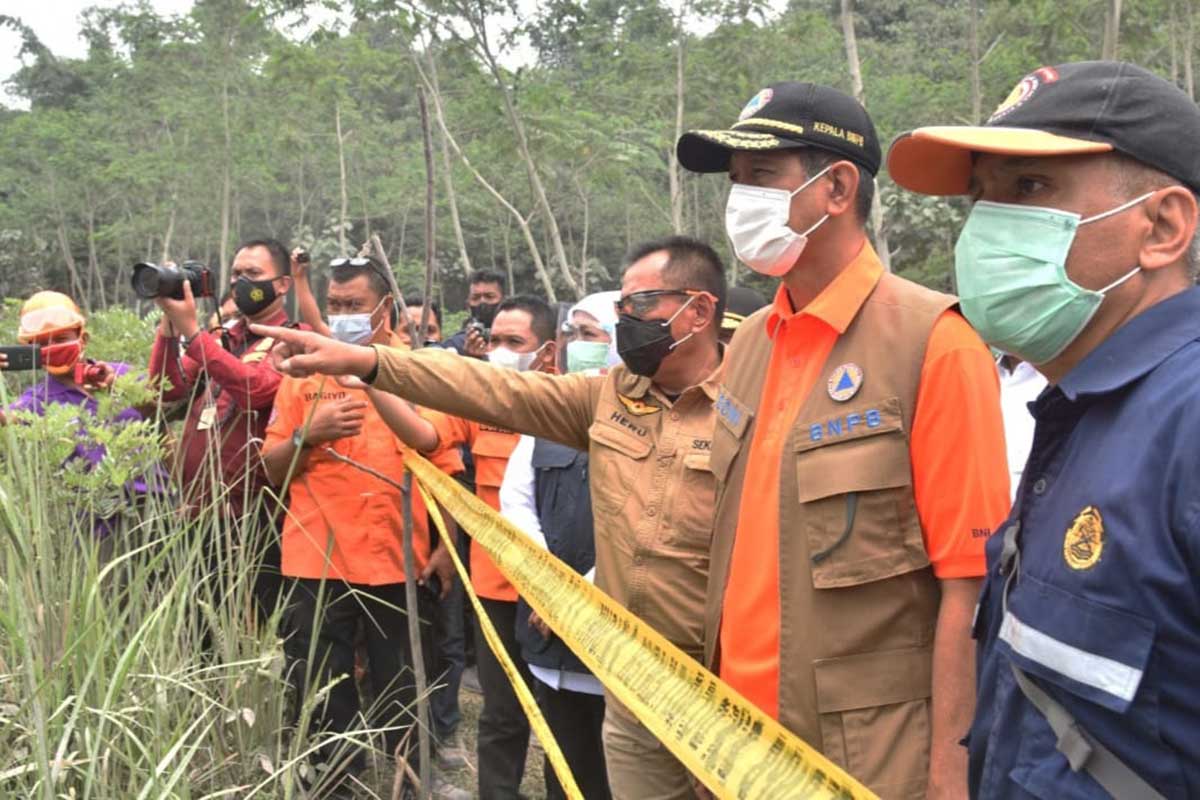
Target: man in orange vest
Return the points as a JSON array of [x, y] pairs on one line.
[[522, 338], [343, 532], [859, 458]]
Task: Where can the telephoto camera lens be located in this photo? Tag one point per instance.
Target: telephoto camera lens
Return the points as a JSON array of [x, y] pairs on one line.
[[153, 280]]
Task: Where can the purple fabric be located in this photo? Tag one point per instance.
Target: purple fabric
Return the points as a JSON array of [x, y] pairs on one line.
[[54, 392]]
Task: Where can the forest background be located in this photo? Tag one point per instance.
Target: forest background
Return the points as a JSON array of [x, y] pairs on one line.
[[552, 128], [553, 125]]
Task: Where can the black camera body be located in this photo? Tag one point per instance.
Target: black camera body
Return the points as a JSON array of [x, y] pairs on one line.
[[154, 280], [477, 326]]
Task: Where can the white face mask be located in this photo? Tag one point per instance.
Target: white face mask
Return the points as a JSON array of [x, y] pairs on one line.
[[511, 359], [756, 220]]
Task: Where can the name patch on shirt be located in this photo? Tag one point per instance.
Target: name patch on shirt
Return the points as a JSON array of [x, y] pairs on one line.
[[626, 423], [310, 396], [842, 426], [727, 410]]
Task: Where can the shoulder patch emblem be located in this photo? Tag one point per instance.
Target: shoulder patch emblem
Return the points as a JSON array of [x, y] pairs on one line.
[[845, 382], [637, 407], [756, 104], [1084, 541]]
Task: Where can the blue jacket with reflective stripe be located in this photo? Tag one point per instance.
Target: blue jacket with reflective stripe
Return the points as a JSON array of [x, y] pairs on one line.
[[1105, 612]]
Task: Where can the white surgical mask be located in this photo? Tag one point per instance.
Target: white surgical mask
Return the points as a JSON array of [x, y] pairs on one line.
[[352, 328], [511, 359], [756, 220]]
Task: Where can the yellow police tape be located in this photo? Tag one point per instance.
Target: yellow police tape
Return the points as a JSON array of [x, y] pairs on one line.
[[726, 742], [537, 722]]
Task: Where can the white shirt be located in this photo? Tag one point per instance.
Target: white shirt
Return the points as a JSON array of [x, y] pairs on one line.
[[1018, 388], [519, 506]]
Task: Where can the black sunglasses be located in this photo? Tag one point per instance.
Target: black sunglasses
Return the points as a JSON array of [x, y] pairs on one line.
[[639, 304]]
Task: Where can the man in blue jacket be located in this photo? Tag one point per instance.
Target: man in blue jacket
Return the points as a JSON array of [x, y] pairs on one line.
[[1080, 256]]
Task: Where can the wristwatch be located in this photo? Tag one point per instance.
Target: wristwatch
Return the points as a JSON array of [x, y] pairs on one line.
[[298, 440]]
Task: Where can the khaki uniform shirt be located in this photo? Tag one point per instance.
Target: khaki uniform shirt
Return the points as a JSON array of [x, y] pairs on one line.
[[652, 488]]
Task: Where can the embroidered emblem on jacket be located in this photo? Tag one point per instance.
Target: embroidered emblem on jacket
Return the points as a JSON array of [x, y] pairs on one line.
[[1084, 540], [637, 407], [845, 382]]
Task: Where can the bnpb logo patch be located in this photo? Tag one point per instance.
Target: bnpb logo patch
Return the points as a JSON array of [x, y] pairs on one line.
[[845, 382]]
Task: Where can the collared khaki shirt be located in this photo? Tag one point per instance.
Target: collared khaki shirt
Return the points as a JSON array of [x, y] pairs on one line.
[[652, 488]]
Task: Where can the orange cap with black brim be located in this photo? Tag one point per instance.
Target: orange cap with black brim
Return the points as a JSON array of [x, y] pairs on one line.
[[1070, 109], [937, 160]]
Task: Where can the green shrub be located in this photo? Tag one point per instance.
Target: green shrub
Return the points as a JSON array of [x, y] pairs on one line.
[[107, 689]]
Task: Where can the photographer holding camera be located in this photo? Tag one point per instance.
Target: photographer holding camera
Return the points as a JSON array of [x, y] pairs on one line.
[[485, 293], [231, 392]]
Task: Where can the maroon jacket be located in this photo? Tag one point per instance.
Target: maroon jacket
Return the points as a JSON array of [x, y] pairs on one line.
[[232, 392]]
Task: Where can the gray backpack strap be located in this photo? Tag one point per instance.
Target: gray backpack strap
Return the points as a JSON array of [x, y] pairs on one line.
[[1082, 751]]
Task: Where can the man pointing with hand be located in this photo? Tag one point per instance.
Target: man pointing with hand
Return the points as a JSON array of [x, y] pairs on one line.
[[647, 426]]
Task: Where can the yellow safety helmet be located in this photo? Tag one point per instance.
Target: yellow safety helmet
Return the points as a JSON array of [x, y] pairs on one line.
[[46, 313]]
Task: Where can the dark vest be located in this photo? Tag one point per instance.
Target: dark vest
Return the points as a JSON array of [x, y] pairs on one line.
[[564, 507]]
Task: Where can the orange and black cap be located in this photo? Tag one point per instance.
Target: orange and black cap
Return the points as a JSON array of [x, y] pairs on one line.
[[783, 116], [1071, 109]]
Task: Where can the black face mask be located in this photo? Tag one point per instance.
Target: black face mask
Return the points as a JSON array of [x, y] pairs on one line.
[[484, 312], [251, 297], [643, 343]]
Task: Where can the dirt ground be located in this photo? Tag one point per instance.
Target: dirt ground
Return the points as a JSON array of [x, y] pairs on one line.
[[533, 787]]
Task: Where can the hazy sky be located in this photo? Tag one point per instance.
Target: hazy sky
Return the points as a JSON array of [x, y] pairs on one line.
[[56, 22]]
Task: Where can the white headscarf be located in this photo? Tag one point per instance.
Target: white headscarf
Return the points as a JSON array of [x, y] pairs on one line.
[[602, 306]]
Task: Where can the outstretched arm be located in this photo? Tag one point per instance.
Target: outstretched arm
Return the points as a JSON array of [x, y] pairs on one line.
[[556, 407], [306, 301]]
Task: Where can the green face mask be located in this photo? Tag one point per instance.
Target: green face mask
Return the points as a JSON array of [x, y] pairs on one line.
[[582, 356], [1010, 263]]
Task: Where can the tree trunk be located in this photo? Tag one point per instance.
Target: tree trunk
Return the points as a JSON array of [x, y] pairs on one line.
[[95, 279], [508, 267], [674, 171], [973, 38], [1173, 40], [169, 232], [64, 242], [583, 247], [877, 226], [535, 252], [451, 197], [518, 126], [1189, 45], [226, 185], [1112, 31], [344, 209]]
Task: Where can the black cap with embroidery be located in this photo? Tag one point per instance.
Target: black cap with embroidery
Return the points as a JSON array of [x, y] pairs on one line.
[[787, 115], [1070, 109]]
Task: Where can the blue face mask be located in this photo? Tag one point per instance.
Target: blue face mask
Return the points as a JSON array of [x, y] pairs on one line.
[[1013, 287], [353, 328]]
